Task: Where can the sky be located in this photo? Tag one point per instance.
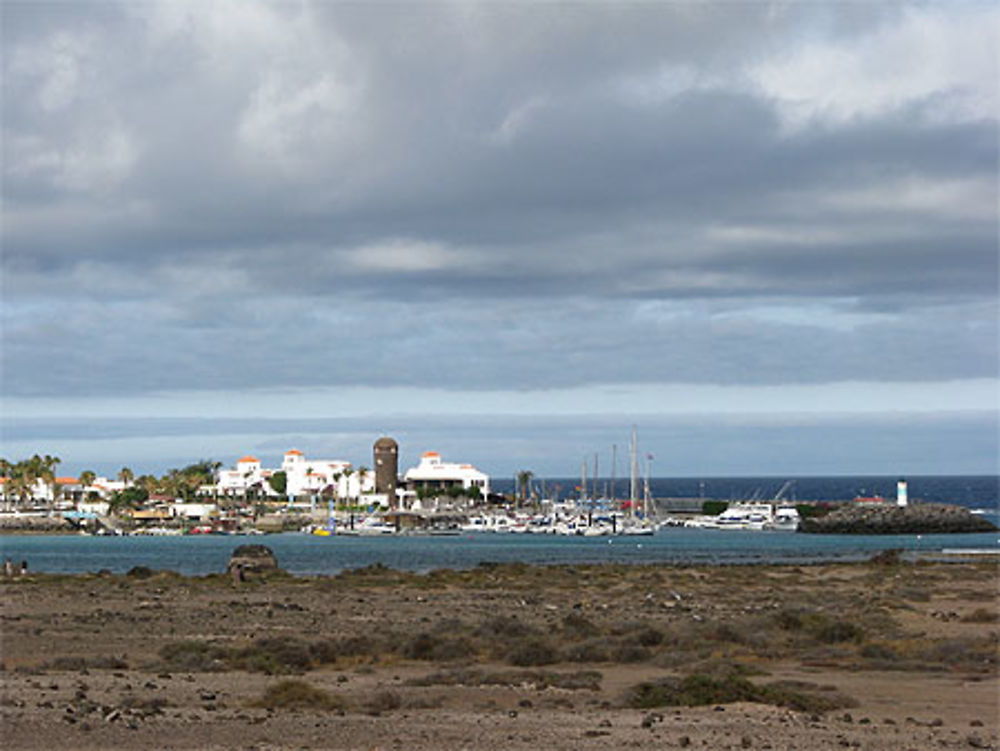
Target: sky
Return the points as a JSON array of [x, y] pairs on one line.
[[765, 234]]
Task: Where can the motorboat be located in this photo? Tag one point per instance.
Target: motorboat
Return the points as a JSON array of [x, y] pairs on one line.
[[786, 519]]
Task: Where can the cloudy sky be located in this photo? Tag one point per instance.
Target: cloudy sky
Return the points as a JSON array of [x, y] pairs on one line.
[[764, 233]]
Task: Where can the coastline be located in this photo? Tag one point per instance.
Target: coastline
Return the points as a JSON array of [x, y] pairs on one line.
[[887, 654]]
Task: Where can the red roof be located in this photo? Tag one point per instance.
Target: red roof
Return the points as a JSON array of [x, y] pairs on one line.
[[247, 459], [869, 499], [293, 452]]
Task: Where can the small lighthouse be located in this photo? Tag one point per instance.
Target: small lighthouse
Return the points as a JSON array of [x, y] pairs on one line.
[[901, 494]]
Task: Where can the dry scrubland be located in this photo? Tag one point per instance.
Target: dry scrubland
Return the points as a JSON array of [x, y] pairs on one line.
[[883, 655]]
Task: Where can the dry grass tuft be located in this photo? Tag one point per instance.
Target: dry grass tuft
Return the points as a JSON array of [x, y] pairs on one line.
[[296, 694]]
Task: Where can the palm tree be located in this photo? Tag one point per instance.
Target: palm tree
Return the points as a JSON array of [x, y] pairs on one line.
[[87, 478], [336, 488], [47, 473], [362, 473], [19, 487], [125, 476], [346, 473], [148, 483]]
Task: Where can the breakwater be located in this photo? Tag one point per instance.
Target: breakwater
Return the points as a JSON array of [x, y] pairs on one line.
[[887, 519]]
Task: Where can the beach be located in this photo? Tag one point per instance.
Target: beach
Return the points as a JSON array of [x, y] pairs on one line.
[[885, 654]]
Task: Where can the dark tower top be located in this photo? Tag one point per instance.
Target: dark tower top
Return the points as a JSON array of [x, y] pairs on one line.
[[386, 460]]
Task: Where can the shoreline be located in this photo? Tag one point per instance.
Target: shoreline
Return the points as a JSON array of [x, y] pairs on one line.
[[885, 653]]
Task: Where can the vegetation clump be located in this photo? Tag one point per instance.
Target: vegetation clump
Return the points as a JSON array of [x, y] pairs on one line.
[[700, 689], [297, 694], [438, 649], [532, 652], [100, 662]]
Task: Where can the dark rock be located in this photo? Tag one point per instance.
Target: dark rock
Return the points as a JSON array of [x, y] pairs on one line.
[[889, 519], [253, 559]]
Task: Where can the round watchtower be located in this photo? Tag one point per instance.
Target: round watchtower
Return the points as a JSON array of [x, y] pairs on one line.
[[386, 460]]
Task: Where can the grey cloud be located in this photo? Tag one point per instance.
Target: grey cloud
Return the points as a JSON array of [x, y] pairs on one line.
[[193, 183], [235, 345]]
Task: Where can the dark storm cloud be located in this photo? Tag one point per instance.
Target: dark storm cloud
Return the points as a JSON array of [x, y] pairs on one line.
[[251, 195]]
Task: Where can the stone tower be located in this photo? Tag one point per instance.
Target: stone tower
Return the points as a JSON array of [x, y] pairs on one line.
[[386, 461]]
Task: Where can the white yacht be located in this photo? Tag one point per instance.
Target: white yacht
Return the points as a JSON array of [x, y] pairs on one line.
[[786, 519]]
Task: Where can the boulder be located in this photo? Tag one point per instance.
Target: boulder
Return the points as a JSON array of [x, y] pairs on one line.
[[255, 559]]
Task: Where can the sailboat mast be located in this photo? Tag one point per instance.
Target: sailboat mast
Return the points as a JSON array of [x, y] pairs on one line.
[[583, 481], [614, 465], [645, 498], [633, 473]]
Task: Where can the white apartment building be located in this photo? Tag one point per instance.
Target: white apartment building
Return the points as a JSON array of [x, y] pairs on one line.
[[304, 477], [247, 475], [434, 473], [314, 476]]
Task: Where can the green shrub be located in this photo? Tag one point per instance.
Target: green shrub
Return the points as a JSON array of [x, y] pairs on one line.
[[690, 691], [503, 626], [700, 689], [532, 652], [593, 650], [193, 656], [837, 631], [440, 649], [273, 655], [297, 694], [577, 626]]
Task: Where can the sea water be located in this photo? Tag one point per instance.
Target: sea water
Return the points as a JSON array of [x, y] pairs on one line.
[[306, 554]]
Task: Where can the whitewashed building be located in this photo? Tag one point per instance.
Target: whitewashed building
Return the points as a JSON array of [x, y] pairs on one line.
[[248, 475], [334, 477], [436, 474]]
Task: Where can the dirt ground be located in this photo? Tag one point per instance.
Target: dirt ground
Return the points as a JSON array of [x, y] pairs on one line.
[[872, 656]]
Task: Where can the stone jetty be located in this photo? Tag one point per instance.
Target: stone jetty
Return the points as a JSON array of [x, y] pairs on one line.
[[888, 519]]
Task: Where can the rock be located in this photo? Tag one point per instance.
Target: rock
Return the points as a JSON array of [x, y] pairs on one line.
[[889, 519], [255, 559]]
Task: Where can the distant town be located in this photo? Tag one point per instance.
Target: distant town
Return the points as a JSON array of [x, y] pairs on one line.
[[332, 497], [207, 492]]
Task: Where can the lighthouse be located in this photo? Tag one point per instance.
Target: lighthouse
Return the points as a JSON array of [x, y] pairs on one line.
[[901, 493]]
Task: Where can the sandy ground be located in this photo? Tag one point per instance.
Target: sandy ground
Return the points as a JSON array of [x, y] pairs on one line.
[[84, 663]]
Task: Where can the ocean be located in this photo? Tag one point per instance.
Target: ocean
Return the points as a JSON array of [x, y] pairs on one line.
[[306, 555], [981, 492]]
